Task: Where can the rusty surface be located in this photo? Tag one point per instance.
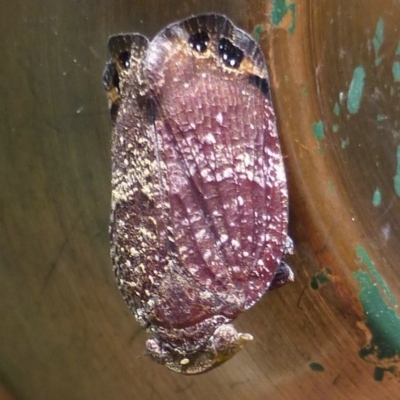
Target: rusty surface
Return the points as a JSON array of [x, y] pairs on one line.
[[65, 331]]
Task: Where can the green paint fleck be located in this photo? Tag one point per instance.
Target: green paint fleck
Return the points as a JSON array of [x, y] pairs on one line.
[[331, 187], [356, 90], [257, 31], [314, 283], [378, 40], [377, 198], [398, 50], [343, 143], [318, 129], [336, 109], [380, 318], [396, 71], [363, 258], [317, 367], [378, 60], [280, 9], [378, 374], [286, 78], [304, 91], [335, 128], [321, 278], [331, 21], [397, 176]]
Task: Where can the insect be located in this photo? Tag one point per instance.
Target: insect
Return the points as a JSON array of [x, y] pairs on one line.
[[199, 196]]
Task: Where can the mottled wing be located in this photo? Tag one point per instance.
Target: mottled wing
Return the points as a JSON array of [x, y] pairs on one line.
[[133, 226], [217, 141]]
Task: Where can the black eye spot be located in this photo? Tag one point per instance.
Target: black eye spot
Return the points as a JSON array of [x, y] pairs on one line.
[[231, 55], [199, 41], [124, 57], [261, 83]]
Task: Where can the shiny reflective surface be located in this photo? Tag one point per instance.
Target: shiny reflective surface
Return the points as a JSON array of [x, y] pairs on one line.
[[66, 333]]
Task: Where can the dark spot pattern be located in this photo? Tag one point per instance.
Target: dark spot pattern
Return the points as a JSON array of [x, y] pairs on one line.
[[199, 41], [231, 55], [124, 57]]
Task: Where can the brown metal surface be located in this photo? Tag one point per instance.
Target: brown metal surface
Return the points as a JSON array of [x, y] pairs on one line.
[[334, 333]]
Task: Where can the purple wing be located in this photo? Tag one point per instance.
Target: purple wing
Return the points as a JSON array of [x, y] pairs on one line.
[[221, 163]]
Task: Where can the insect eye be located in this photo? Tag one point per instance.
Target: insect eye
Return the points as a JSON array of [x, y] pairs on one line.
[[231, 55], [125, 57], [115, 80], [110, 76], [199, 41]]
